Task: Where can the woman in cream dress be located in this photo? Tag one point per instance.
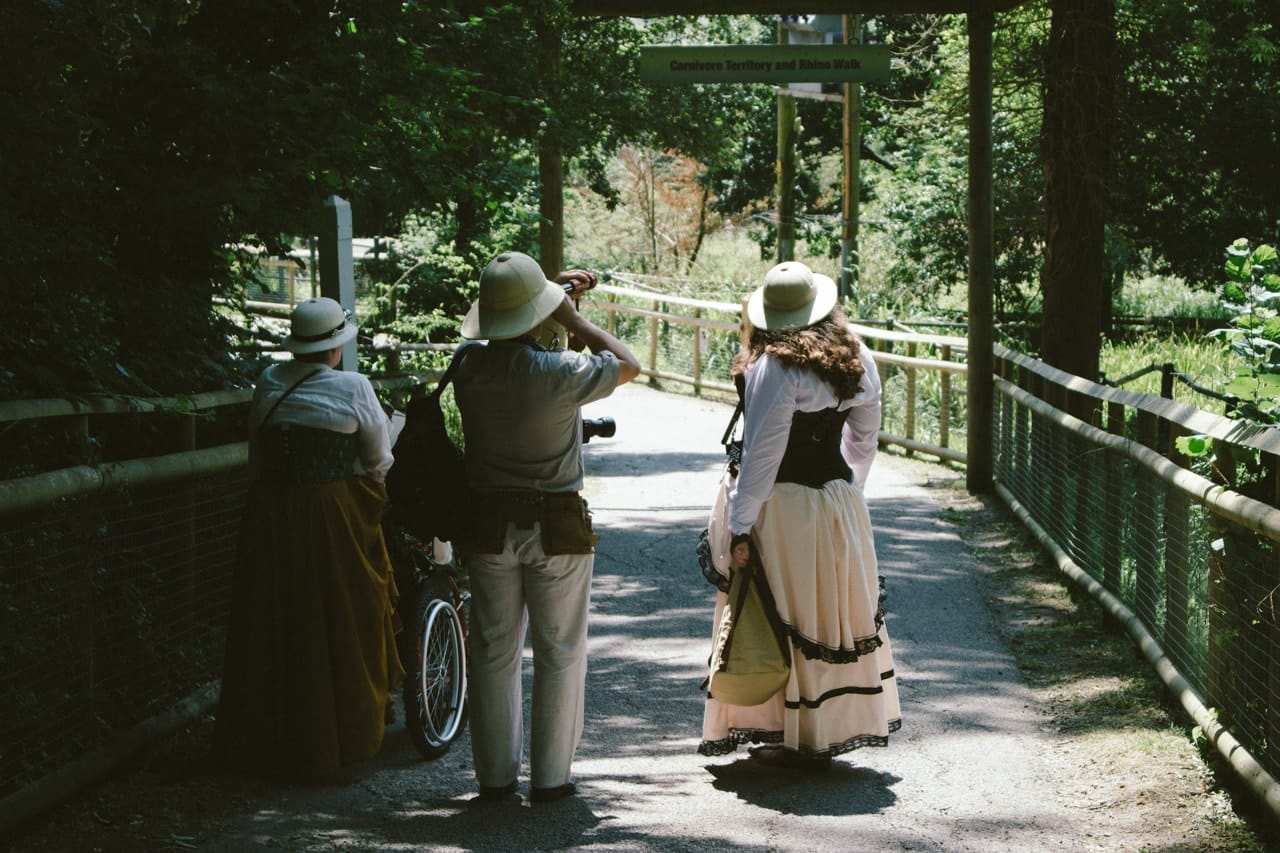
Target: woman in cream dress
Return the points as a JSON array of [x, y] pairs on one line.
[[811, 396]]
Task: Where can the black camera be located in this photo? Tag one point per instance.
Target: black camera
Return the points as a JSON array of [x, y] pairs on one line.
[[598, 428]]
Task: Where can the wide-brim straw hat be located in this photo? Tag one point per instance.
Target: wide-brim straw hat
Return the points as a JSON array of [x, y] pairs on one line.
[[319, 324], [515, 297], [792, 297]]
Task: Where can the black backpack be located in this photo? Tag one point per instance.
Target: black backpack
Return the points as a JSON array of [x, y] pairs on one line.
[[427, 483]]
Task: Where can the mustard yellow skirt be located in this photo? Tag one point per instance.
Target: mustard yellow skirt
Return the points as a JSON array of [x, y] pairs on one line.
[[818, 551], [311, 659]]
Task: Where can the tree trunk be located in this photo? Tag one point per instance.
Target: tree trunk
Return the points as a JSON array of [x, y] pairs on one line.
[[550, 156], [1079, 99]]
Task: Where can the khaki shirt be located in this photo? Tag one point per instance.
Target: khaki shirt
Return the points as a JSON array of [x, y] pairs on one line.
[[521, 413]]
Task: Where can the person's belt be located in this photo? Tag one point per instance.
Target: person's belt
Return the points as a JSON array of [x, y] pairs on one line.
[[524, 508]]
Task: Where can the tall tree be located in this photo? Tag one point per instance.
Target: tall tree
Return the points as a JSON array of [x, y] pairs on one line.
[[923, 131], [1079, 98], [1196, 150], [143, 139]]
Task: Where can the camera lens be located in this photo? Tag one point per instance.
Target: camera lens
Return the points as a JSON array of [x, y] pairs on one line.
[[598, 428]]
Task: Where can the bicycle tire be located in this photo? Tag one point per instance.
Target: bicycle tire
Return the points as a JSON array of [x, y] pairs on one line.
[[435, 687]]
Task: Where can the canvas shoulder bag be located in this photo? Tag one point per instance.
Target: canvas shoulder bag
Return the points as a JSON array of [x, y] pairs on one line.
[[751, 660]]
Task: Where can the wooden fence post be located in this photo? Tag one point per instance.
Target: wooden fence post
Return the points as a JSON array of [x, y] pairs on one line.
[[337, 264], [1023, 456], [1115, 518], [1221, 655], [653, 336], [697, 352], [1270, 614], [910, 426], [944, 400]]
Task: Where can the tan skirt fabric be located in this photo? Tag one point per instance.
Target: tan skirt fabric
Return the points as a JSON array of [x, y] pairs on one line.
[[818, 552], [311, 658]]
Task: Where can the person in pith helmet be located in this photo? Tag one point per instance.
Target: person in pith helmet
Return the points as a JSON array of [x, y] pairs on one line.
[[310, 660], [811, 410], [529, 557]]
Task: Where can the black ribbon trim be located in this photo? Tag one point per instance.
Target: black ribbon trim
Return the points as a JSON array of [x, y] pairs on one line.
[[310, 339]]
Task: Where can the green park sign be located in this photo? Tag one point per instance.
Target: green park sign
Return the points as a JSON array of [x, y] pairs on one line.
[[764, 63]]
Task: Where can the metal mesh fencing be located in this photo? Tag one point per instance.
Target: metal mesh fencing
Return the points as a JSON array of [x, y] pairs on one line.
[[1203, 586], [115, 608]]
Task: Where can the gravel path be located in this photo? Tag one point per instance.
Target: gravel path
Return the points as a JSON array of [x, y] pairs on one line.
[[973, 768]]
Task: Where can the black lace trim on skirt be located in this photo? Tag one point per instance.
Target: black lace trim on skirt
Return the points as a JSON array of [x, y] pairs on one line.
[[738, 737], [814, 650]]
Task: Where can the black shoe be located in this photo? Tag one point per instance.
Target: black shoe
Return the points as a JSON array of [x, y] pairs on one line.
[[498, 792], [779, 756], [550, 795]]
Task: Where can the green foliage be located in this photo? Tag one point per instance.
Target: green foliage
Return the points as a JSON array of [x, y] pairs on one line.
[[1252, 290], [1165, 296], [1197, 104], [1196, 149], [924, 203], [1194, 446], [1196, 356], [165, 134], [179, 130]]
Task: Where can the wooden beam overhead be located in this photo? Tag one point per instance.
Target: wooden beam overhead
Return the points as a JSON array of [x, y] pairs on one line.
[[671, 8]]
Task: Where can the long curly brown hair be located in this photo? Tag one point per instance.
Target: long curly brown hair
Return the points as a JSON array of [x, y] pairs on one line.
[[829, 348]]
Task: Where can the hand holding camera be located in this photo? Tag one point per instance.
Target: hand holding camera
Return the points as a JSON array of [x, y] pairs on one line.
[[576, 283]]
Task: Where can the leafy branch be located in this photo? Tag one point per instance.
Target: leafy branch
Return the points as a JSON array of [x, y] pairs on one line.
[[1252, 291]]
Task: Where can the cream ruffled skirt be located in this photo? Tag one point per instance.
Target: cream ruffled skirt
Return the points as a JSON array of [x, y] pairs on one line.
[[818, 551]]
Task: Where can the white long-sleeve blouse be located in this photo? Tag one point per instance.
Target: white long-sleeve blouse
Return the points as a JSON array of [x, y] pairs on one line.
[[338, 400], [774, 391]]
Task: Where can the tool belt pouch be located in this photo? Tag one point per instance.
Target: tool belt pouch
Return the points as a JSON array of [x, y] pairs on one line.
[[565, 522]]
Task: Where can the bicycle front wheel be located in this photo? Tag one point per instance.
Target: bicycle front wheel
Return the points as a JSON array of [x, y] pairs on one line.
[[435, 691]]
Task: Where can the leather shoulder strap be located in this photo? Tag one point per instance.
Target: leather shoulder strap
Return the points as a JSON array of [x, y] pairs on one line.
[[286, 393], [458, 355]]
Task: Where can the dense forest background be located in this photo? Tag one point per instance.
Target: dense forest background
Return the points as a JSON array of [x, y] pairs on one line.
[[152, 151]]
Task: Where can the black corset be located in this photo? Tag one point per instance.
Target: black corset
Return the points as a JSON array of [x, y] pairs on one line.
[[813, 454], [305, 456]]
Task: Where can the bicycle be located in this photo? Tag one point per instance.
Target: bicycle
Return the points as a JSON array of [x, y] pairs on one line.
[[432, 644]]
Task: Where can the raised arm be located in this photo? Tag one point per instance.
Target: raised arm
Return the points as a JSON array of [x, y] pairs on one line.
[[596, 339]]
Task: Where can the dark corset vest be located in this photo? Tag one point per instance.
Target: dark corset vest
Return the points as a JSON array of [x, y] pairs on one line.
[[305, 456], [813, 454]]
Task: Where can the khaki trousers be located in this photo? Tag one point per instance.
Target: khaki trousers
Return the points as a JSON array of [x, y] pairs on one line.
[[516, 591]]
